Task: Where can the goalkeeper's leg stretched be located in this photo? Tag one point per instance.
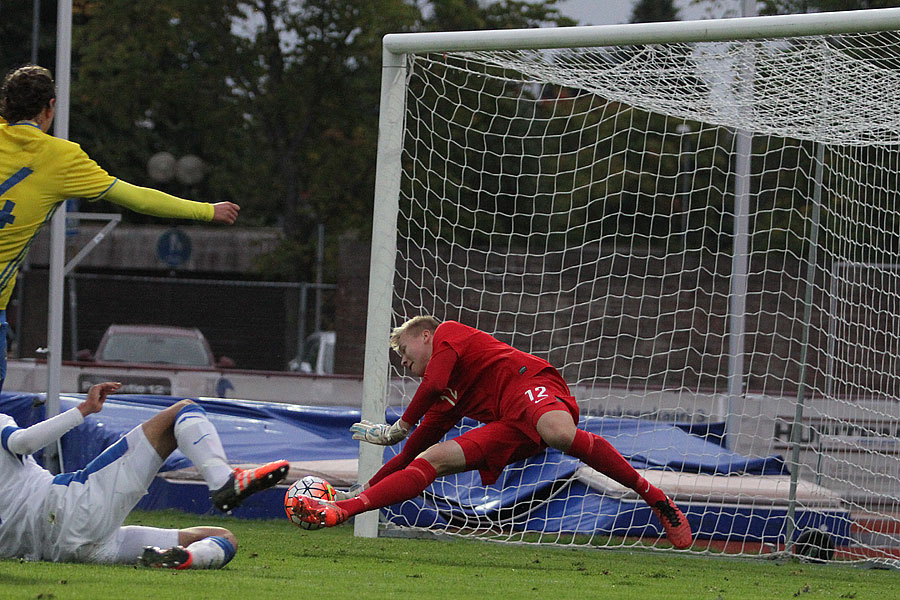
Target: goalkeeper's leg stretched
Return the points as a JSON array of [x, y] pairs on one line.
[[489, 449]]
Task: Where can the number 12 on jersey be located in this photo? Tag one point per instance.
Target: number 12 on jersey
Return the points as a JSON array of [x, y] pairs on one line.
[[537, 394]]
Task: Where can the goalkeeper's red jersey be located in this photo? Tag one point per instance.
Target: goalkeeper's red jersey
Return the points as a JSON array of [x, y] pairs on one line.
[[469, 373]]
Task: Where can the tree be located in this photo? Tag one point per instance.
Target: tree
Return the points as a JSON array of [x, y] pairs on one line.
[[317, 102], [278, 97], [789, 7], [313, 102], [16, 27], [150, 77], [654, 11]]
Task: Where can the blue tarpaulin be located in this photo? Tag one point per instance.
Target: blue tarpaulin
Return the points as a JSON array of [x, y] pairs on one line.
[[261, 431], [251, 432], [258, 432]]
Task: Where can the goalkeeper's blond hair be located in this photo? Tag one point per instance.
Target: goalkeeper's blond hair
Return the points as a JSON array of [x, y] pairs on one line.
[[414, 326]]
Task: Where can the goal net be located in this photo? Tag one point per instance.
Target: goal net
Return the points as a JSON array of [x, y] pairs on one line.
[[703, 237]]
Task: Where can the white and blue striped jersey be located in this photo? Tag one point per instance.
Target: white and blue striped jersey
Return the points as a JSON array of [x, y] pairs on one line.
[[24, 486]]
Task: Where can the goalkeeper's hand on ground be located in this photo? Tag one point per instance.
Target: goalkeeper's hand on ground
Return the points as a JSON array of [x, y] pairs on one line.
[[379, 433]]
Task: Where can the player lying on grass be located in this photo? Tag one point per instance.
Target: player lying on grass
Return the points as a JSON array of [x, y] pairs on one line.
[[522, 400], [77, 517], [38, 172]]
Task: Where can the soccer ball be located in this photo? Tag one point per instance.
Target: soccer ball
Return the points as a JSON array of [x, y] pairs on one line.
[[314, 487]]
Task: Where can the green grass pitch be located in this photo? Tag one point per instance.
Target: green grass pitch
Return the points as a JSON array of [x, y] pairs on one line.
[[277, 560]]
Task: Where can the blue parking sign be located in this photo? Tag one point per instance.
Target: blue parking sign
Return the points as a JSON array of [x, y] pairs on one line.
[[173, 247]]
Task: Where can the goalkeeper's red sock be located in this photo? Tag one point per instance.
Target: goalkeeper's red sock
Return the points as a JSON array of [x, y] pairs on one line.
[[597, 453], [396, 487]]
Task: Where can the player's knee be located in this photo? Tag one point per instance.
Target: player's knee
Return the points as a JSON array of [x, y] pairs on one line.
[[175, 411], [160, 429], [181, 404], [230, 537], [188, 536], [440, 465], [446, 458], [170, 414], [562, 441], [557, 433]]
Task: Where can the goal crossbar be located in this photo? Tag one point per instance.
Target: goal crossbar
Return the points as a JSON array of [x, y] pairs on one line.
[[740, 28]]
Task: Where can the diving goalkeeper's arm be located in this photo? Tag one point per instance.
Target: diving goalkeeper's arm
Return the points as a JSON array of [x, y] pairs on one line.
[[380, 433]]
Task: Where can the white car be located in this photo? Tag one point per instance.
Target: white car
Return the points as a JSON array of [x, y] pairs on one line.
[[317, 355]]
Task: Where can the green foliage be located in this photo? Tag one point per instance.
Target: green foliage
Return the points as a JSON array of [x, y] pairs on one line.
[[16, 34], [150, 77], [728, 8], [790, 7], [277, 560], [279, 98], [654, 11], [462, 15], [547, 163]]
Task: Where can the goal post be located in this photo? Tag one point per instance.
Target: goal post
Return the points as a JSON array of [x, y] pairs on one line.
[[663, 211], [381, 269]]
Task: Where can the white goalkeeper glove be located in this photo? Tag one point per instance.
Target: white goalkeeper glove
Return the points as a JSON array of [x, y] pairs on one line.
[[354, 491], [379, 433]]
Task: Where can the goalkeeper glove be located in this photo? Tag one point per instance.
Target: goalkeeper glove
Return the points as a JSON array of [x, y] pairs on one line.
[[354, 491], [379, 433]]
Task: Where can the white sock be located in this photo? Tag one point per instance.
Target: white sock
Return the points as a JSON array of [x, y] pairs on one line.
[[210, 553], [199, 441]]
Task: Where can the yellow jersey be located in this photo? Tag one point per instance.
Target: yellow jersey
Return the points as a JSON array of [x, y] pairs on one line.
[[38, 172]]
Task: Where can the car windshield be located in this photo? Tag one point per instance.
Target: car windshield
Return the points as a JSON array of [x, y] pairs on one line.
[[150, 348]]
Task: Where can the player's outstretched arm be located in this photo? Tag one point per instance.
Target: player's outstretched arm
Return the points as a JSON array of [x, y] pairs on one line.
[[380, 433], [149, 201], [31, 439]]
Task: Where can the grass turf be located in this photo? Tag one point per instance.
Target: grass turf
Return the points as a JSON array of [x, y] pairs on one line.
[[278, 560]]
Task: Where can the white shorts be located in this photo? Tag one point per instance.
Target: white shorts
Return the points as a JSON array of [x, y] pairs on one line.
[[84, 510]]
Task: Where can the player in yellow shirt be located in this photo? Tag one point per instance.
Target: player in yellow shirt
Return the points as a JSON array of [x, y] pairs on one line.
[[38, 172]]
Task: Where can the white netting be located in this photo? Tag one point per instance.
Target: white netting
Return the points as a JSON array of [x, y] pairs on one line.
[[579, 204], [823, 89]]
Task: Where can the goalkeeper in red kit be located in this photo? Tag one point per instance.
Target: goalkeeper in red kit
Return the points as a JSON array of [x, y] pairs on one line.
[[522, 400]]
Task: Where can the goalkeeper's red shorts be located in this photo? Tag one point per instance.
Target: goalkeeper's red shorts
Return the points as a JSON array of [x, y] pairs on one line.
[[492, 446]]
